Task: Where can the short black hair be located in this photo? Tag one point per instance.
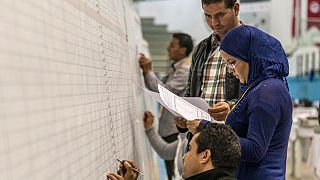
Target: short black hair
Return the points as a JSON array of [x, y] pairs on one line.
[[185, 41], [222, 142], [227, 3]]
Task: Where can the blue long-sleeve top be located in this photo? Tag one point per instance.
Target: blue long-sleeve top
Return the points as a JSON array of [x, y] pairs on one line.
[[262, 120]]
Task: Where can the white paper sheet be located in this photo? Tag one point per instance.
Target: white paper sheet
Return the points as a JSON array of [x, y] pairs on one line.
[[183, 107], [190, 108], [198, 102], [156, 96]]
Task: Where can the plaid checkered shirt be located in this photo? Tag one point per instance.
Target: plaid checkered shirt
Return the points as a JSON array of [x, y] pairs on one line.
[[214, 76]]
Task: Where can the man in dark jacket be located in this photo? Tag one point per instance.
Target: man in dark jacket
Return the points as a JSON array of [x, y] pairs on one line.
[[208, 76]]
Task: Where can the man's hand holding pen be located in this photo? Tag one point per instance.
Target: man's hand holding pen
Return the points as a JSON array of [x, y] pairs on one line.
[[127, 171]]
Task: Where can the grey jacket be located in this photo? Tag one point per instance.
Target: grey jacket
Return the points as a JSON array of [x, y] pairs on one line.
[[199, 58], [176, 82], [166, 151], [169, 151]]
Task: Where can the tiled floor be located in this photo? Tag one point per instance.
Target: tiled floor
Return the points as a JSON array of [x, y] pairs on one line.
[[307, 172]]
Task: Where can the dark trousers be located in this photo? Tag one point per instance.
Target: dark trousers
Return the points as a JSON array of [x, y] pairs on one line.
[[170, 163]]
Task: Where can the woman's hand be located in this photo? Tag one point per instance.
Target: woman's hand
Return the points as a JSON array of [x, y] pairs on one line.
[[219, 111]]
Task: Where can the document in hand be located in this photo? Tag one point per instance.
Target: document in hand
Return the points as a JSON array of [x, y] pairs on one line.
[[182, 107], [190, 108]]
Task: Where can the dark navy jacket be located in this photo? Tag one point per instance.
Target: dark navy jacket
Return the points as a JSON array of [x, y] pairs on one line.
[[262, 117], [263, 121]]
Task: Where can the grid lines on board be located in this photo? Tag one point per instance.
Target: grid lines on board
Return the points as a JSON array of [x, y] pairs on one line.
[[67, 106]]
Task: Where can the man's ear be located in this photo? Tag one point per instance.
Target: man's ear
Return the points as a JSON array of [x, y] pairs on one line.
[[236, 8], [206, 156], [183, 50]]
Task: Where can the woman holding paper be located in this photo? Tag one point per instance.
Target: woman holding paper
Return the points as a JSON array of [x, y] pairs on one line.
[[262, 117]]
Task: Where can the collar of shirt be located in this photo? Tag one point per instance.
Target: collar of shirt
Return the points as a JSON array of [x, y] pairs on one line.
[[215, 40], [175, 65]]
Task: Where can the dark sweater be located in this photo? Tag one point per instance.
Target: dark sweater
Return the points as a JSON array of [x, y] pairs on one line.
[[262, 120], [215, 174]]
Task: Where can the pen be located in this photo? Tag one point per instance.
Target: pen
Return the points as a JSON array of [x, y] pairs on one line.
[[136, 170]]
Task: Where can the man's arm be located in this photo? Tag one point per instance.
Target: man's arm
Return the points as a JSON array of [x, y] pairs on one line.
[[177, 83], [187, 93], [193, 59], [165, 150], [150, 78], [181, 124], [263, 119]]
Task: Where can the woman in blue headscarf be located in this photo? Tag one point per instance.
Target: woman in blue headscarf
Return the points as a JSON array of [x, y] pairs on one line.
[[262, 117]]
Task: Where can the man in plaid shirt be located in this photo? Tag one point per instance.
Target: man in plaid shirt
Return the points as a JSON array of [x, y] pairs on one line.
[[208, 77]]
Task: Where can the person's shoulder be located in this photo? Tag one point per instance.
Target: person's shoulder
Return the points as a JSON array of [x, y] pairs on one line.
[[203, 43], [186, 63], [271, 90], [271, 85], [183, 66]]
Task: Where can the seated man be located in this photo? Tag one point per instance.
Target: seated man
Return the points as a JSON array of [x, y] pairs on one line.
[[214, 153]]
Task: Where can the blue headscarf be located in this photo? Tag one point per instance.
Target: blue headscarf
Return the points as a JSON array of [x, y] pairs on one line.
[[263, 53]]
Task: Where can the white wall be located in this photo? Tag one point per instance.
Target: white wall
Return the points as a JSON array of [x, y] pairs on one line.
[[281, 21], [256, 14], [186, 17]]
